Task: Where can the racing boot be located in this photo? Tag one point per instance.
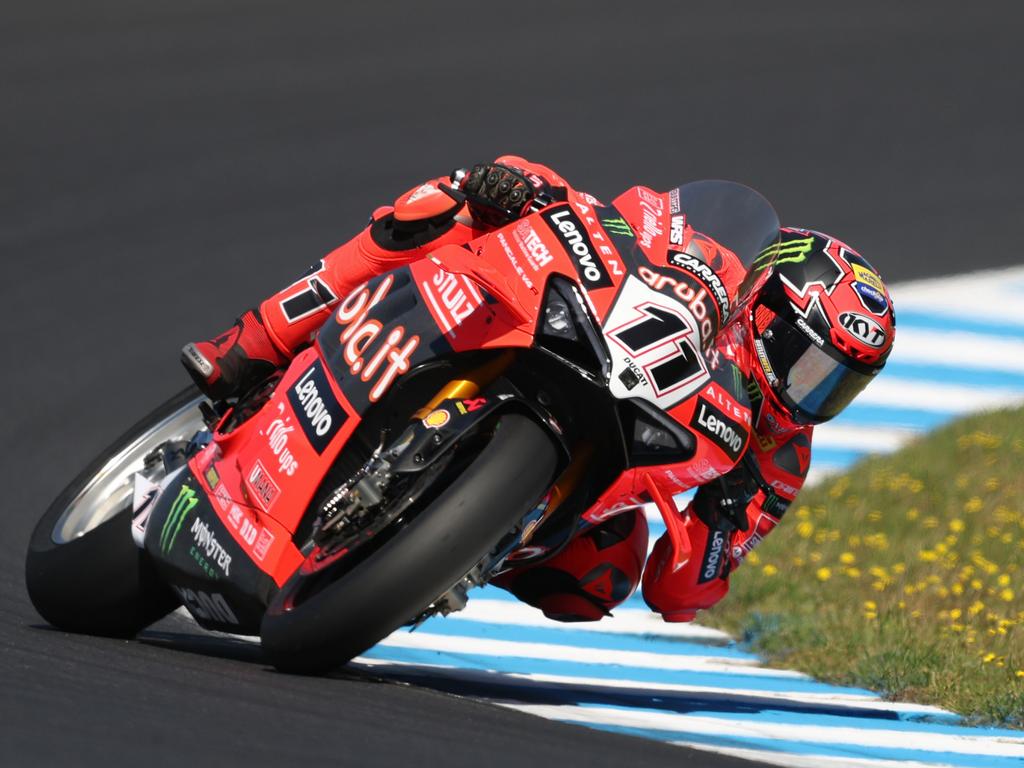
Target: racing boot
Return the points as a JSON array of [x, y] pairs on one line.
[[230, 364]]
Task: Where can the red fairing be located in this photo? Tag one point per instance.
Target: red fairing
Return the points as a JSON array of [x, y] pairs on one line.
[[274, 464]]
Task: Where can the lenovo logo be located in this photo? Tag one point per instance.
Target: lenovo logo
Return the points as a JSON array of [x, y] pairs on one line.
[[570, 230]]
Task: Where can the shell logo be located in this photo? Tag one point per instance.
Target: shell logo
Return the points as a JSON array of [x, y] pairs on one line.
[[436, 419]]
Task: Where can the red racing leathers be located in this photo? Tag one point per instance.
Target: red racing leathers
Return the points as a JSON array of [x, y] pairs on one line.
[[728, 515]]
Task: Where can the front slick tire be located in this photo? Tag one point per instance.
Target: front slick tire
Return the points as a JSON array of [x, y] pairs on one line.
[[420, 562]]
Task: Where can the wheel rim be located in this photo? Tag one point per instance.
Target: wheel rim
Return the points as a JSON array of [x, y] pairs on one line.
[[110, 488]]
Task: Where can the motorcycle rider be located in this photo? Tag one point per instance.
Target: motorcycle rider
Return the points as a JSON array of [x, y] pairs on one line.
[[814, 326]]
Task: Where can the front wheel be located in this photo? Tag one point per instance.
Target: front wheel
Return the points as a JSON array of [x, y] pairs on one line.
[[430, 554]]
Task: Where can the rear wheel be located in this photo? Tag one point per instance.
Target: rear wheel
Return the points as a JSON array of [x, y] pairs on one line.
[[429, 555], [83, 571]]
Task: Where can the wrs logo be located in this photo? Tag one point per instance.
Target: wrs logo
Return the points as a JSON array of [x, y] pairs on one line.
[[182, 505]]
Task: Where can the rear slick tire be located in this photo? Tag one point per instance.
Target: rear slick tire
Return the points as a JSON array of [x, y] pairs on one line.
[[92, 578], [424, 559]]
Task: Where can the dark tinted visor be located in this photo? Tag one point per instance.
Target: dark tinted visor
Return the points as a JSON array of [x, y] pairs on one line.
[[812, 384]]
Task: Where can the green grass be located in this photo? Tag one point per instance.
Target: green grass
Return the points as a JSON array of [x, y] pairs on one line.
[[905, 575]]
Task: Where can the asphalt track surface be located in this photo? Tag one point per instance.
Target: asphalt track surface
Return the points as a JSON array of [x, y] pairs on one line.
[[165, 165]]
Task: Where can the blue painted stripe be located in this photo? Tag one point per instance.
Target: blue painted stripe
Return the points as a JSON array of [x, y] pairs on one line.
[[838, 457], [578, 638], [507, 686], [913, 318], [920, 419], [981, 378], [607, 670], [790, 716], [831, 749]]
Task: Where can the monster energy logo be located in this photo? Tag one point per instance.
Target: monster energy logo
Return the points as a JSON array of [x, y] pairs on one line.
[[739, 382], [617, 226], [179, 511], [789, 252]]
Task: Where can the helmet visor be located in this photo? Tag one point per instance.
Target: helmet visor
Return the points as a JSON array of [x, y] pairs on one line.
[[814, 385]]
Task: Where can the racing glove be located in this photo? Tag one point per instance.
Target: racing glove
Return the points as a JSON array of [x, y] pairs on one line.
[[497, 194], [235, 361]]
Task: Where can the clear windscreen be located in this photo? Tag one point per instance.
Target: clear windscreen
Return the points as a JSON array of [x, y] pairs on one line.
[[731, 214]]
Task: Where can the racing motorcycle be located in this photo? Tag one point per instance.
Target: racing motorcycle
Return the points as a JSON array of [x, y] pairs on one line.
[[455, 418]]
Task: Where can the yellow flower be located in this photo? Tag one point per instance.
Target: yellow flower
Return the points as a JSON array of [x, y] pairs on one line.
[[839, 487], [870, 605], [870, 615], [1003, 580], [847, 558], [1019, 673], [927, 555], [983, 562], [957, 526], [957, 588], [853, 573], [912, 513], [877, 541], [769, 570], [823, 574], [805, 529], [1006, 595], [753, 558], [974, 504], [988, 657], [976, 607], [956, 613]]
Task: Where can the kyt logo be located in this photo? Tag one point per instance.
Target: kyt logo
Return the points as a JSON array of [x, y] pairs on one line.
[[863, 328]]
